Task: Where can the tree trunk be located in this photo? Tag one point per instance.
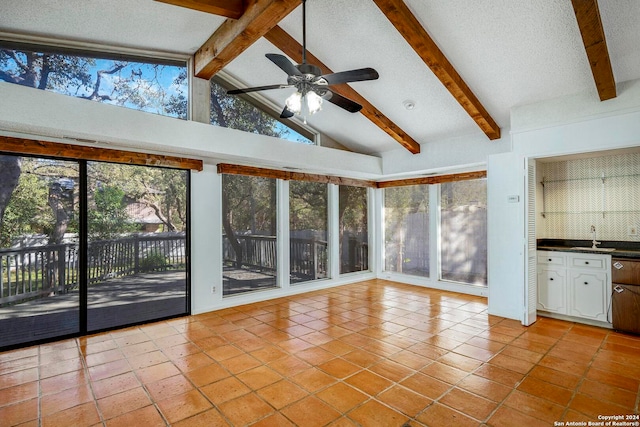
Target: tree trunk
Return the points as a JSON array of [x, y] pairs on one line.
[[226, 224], [9, 176], [57, 204]]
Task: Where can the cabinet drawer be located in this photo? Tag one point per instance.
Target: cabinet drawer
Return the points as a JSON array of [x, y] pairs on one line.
[[551, 258], [625, 271], [586, 262]]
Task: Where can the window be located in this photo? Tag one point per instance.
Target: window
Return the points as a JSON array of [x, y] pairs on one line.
[[243, 113], [153, 86], [463, 222], [354, 234], [249, 234], [308, 231], [406, 217]]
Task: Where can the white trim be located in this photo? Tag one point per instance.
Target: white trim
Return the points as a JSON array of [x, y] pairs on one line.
[[269, 294], [379, 233], [434, 231], [333, 231], [282, 242], [442, 285], [93, 47]]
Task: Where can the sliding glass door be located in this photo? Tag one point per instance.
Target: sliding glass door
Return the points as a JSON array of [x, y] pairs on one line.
[[39, 292], [136, 228], [87, 246]]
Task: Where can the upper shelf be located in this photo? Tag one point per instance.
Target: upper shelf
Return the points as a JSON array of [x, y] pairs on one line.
[[603, 178]]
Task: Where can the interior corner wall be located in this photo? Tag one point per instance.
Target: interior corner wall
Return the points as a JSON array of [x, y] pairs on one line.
[[446, 154]]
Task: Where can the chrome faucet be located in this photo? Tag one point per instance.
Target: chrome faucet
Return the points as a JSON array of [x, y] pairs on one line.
[[595, 242]]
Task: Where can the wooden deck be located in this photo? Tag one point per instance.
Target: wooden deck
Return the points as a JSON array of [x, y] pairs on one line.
[[238, 280], [115, 302]]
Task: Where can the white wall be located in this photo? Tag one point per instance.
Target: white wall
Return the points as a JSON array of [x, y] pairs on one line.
[[463, 153], [578, 124], [206, 239], [506, 234], [53, 116]]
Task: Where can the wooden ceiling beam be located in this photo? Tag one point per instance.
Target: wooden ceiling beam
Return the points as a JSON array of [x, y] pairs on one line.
[[228, 8], [410, 28], [595, 43], [234, 36], [292, 176], [290, 47], [427, 180]]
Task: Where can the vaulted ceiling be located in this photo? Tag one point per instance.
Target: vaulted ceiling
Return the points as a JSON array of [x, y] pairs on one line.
[[463, 64]]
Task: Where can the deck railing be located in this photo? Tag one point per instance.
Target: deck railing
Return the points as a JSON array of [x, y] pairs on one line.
[[307, 257], [33, 272]]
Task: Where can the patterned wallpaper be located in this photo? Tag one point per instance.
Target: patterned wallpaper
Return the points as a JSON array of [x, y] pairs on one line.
[[575, 197]]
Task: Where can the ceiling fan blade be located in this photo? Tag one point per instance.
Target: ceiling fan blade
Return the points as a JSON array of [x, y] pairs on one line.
[[286, 113], [351, 76], [284, 64], [342, 102], [255, 89]]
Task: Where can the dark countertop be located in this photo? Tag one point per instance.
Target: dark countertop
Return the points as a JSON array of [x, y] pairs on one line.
[[622, 249]]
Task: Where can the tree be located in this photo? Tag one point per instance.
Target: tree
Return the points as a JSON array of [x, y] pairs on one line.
[[9, 176], [234, 112], [143, 86], [109, 217], [308, 206], [248, 206], [163, 190], [43, 201]]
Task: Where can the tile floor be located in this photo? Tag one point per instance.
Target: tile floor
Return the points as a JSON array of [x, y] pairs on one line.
[[375, 353]]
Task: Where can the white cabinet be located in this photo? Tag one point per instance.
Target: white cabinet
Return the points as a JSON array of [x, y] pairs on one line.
[[589, 292], [552, 290], [574, 284]]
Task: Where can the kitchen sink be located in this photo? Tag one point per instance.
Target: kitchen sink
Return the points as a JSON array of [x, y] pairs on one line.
[[590, 249]]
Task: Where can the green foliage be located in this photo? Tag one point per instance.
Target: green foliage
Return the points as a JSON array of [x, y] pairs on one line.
[[27, 211], [352, 208], [164, 190], [236, 113], [108, 217], [307, 205], [153, 261], [249, 203]]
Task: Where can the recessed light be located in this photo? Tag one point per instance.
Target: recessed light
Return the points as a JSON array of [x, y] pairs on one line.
[[408, 104]]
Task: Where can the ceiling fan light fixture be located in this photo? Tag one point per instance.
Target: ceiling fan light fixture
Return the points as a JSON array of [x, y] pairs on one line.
[[314, 102], [294, 102]]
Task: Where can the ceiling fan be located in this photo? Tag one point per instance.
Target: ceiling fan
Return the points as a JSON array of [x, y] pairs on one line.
[[312, 87]]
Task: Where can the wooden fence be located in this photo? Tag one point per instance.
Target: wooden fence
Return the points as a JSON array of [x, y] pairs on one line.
[[33, 272]]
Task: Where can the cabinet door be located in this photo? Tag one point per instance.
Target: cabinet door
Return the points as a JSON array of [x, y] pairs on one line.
[[552, 290], [588, 295]]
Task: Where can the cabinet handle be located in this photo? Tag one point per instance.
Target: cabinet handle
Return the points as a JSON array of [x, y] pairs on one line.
[[550, 278], [549, 259], [586, 262], [586, 283]]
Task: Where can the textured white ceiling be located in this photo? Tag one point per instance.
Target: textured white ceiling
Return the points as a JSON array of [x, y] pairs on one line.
[[509, 52]]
